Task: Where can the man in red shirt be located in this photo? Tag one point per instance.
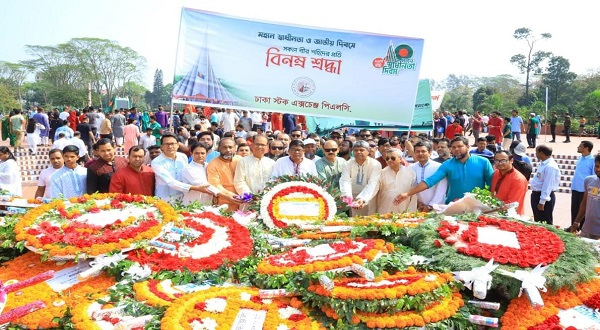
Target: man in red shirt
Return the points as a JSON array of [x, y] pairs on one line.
[[508, 184], [495, 125], [136, 178], [454, 129]]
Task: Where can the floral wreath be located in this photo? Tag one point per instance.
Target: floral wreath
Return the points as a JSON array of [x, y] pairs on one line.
[[161, 293], [28, 265], [324, 257], [427, 241], [301, 189], [217, 308], [217, 240], [520, 314], [537, 245], [435, 312], [93, 225], [386, 294], [400, 220]]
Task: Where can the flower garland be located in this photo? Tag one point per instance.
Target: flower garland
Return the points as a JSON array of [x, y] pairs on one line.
[[98, 313], [435, 312], [93, 225], [400, 220], [410, 290], [321, 235], [217, 308], [219, 240], [537, 244], [303, 194], [520, 314], [324, 257], [56, 303], [156, 293]]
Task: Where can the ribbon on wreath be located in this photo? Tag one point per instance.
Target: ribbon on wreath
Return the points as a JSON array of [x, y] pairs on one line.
[[99, 263], [531, 282], [478, 279]]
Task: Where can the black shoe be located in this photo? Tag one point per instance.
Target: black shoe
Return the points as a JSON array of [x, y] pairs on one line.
[[567, 141], [551, 141]]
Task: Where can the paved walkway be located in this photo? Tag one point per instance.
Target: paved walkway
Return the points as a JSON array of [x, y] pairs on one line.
[[562, 210]]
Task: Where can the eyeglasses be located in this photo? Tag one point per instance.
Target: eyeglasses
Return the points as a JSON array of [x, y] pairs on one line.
[[330, 150], [171, 144], [387, 159], [501, 161], [277, 148], [365, 136], [373, 145]]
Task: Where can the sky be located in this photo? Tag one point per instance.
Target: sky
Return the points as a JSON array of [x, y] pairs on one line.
[[462, 37]]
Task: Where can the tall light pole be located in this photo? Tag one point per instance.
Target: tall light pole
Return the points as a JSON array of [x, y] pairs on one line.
[[546, 126]]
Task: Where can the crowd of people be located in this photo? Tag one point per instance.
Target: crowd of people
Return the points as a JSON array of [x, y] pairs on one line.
[[215, 158]]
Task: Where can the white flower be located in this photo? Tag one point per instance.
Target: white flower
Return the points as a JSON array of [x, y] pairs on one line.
[[285, 313], [282, 327], [430, 278], [216, 305], [245, 296], [204, 324]]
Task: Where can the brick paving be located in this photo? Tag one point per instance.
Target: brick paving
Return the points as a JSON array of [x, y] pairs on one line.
[[566, 156]]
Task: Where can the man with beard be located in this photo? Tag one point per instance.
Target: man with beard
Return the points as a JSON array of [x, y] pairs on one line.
[[207, 138], [345, 148], [167, 171], [221, 171], [464, 173], [590, 205], [310, 149], [276, 150], [443, 150], [295, 163], [285, 139]]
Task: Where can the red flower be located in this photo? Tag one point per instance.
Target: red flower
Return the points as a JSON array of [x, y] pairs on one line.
[[437, 243]]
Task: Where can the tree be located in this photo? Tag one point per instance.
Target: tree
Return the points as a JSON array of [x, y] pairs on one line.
[[134, 91], [558, 79], [480, 95], [7, 99], [592, 103], [459, 98], [157, 88], [531, 63], [17, 73]]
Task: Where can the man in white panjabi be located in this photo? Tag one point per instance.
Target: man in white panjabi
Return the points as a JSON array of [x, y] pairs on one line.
[[394, 180], [424, 167], [360, 177], [252, 172]]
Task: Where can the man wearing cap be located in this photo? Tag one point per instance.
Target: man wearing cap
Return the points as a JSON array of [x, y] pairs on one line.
[[359, 180], [310, 149], [532, 129]]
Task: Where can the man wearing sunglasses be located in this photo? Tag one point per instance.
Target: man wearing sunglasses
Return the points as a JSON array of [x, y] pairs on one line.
[[364, 135], [360, 177], [395, 179], [276, 150], [330, 167]]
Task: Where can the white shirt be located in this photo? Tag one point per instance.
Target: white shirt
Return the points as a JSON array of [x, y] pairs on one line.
[[314, 159], [392, 184], [61, 143], [79, 144], [256, 118], [285, 166], [147, 141], [546, 179], [67, 183], [437, 193], [10, 177], [167, 172], [360, 182], [44, 180], [64, 115], [228, 120], [251, 174], [195, 174]]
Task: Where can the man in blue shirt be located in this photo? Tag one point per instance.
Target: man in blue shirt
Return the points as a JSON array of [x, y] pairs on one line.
[[583, 168], [482, 151], [516, 125], [464, 173]]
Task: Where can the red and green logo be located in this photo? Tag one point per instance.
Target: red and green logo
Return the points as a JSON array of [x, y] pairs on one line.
[[403, 51]]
